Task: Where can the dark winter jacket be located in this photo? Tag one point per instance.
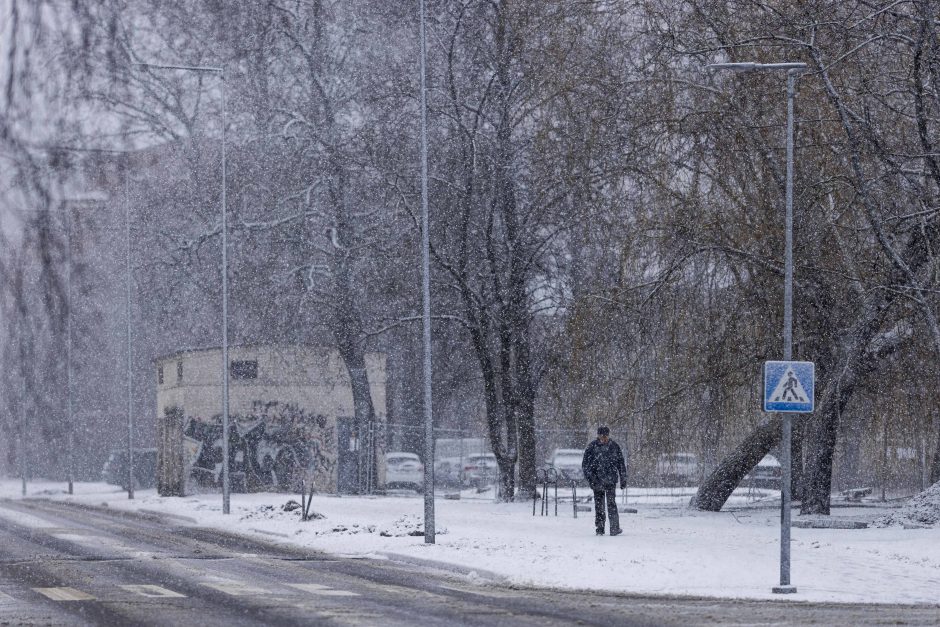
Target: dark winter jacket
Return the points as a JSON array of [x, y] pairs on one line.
[[602, 463]]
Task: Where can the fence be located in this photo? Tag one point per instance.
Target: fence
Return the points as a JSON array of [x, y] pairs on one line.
[[463, 459]]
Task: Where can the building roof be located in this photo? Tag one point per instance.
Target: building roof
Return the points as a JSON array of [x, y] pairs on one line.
[[206, 349]]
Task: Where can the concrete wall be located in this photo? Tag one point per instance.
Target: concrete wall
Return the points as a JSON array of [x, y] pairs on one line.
[[313, 379]]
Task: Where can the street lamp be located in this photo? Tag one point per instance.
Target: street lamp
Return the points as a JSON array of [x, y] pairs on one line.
[[426, 301], [226, 485], [68, 289], [70, 458], [793, 70], [127, 322]]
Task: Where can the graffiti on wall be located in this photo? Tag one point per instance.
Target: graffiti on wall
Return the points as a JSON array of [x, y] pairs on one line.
[[275, 446]]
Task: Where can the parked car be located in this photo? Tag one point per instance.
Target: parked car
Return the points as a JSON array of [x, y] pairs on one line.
[[567, 461], [766, 474], [447, 471], [677, 469], [145, 468], [450, 456], [404, 470], [480, 470]]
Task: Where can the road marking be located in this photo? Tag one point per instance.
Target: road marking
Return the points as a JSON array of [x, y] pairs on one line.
[[6, 599], [64, 594], [154, 592], [27, 520], [236, 589], [78, 538], [315, 588]]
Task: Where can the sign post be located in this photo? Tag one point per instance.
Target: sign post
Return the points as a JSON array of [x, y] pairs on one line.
[[789, 387]]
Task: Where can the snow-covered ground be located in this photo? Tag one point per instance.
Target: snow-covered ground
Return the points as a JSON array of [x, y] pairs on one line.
[[665, 549]]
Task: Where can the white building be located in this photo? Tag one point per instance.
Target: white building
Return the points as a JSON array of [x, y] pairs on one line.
[[291, 418]]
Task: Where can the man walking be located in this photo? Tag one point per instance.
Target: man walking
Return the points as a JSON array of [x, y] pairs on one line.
[[603, 461]]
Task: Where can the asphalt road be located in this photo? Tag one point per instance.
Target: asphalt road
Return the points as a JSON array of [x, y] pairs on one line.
[[68, 565]]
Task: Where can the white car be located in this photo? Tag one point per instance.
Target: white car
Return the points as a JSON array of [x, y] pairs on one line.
[[404, 470], [567, 461]]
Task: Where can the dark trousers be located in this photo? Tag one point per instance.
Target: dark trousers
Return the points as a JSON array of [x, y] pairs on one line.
[[610, 493]]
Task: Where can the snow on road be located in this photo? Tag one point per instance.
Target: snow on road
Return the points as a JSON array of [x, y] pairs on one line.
[[665, 549]]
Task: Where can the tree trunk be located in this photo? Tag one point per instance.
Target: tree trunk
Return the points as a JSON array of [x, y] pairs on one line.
[[851, 447], [523, 397], [507, 478], [818, 486], [345, 321], [935, 466], [716, 489], [855, 354], [351, 350], [856, 360], [797, 467], [711, 428], [527, 463]]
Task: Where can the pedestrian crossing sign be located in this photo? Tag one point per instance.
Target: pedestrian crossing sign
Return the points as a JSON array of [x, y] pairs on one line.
[[789, 386]]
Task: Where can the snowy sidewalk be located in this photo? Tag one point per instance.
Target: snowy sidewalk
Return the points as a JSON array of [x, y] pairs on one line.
[[663, 551]]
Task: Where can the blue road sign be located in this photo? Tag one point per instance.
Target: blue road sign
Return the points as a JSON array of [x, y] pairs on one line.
[[789, 386]]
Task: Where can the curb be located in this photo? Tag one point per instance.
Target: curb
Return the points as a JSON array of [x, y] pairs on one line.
[[159, 514], [271, 533], [104, 508], [829, 524], [466, 571]]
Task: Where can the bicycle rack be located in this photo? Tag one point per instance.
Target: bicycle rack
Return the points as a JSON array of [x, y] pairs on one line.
[[545, 476]]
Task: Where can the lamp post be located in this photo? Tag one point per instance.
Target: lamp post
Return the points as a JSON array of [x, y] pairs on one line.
[[127, 322], [70, 457], [226, 485], [70, 441], [426, 300], [793, 70]]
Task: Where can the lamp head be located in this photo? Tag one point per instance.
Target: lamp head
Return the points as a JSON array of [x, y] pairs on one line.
[[750, 66]]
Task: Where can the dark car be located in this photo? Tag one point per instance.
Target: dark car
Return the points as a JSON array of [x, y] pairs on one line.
[[145, 468]]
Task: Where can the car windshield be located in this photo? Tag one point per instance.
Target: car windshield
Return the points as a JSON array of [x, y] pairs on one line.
[[401, 459]]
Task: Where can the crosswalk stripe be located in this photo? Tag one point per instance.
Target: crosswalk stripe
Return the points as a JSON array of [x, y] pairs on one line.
[[154, 592], [64, 593], [236, 589], [315, 588]]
